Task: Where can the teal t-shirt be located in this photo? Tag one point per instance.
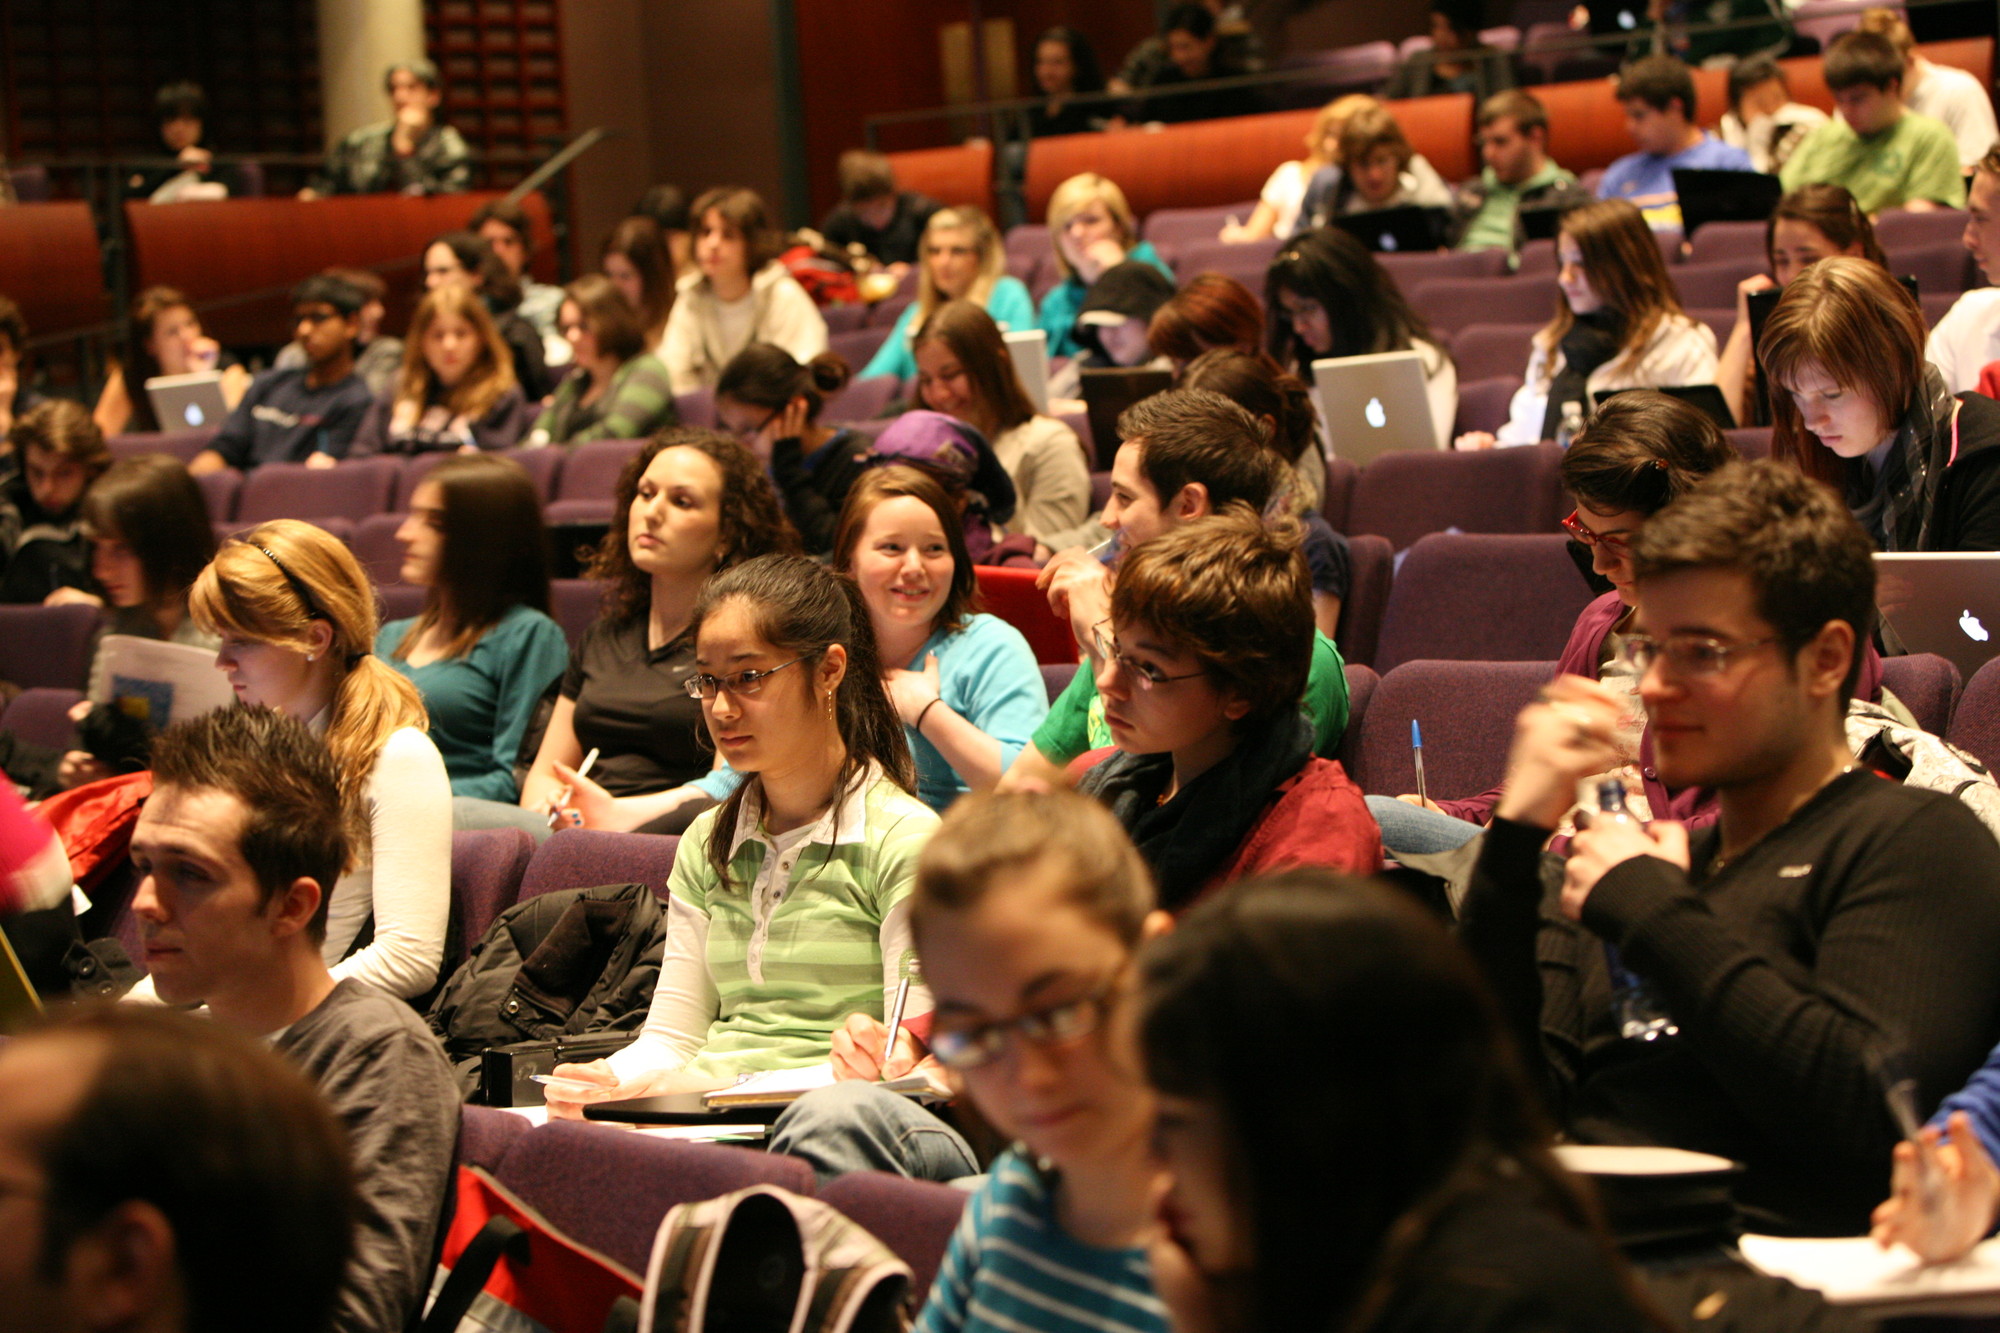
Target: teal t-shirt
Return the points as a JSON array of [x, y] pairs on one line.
[[1009, 304], [1064, 302]]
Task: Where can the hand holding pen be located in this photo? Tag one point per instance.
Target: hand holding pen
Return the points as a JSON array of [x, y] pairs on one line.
[[559, 811], [1944, 1192]]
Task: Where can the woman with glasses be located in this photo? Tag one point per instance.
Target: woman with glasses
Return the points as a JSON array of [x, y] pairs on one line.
[[691, 504], [771, 402], [1201, 665], [789, 907], [619, 390]]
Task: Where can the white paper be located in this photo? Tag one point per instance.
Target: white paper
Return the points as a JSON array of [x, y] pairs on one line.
[[176, 681], [1854, 1270]]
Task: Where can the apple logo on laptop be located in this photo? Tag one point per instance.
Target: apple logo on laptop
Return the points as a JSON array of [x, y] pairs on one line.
[[1386, 241], [1973, 629], [1376, 416], [194, 416]]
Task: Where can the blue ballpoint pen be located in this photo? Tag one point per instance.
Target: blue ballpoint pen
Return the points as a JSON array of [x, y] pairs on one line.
[[1417, 754]]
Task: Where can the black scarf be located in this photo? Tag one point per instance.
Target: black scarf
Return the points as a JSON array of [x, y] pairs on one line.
[[1594, 339], [1190, 838]]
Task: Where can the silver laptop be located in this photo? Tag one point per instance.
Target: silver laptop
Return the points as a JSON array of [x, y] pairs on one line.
[[1030, 350], [1374, 405], [1946, 603], [188, 402]]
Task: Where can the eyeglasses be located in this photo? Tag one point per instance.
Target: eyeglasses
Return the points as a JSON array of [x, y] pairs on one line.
[[750, 433], [1686, 655], [1144, 676], [1617, 543], [971, 1047], [741, 684]]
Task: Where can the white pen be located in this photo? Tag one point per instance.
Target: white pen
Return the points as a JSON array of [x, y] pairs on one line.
[[895, 1022], [582, 771]]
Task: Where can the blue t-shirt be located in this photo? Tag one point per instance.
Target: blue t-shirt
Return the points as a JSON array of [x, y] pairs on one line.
[[282, 419], [1647, 179], [1009, 304], [1065, 301], [988, 676]]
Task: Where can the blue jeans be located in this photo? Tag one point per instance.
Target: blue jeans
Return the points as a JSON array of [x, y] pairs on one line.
[[856, 1126], [1412, 830]]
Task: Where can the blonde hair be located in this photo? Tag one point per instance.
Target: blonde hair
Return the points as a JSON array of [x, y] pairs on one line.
[[1370, 128], [1888, 24], [486, 380], [1623, 263], [1078, 193], [268, 586], [992, 259], [1333, 116]]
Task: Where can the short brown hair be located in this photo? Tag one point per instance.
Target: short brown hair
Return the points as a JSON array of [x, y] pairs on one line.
[[1658, 81], [1862, 59], [745, 210], [150, 503], [1370, 128], [509, 215], [992, 838], [1195, 436], [1641, 451], [1522, 108], [864, 175], [287, 783], [1209, 311], [1234, 592], [607, 315], [887, 483], [64, 429], [1807, 560]]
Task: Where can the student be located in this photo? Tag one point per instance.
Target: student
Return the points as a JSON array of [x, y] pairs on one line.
[[1618, 325], [166, 339], [1113, 323], [1284, 193], [378, 357], [179, 108], [618, 390], [16, 396], [1855, 405], [635, 259], [506, 228], [790, 901], [1326, 296], [1376, 168], [1201, 665], [1887, 155], [964, 683], [1516, 172], [158, 1149], [1457, 60], [964, 371], [1065, 67], [456, 392], [1951, 96], [296, 615], [1093, 230], [300, 416], [772, 404], [1194, 55], [412, 153], [1967, 339], [1237, 47], [1657, 93], [462, 259], [1808, 225], [741, 293], [483, 651], [1403, 1180], [962, 261], [875, 220], [1768, 955], [1186, 454], [43, 545], [689, 505], [1210, 311], [246, 828], [1762, 119], [667, 206]]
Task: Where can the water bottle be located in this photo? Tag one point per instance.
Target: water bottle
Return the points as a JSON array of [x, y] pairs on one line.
[[1640, 1014], [1572, 422]]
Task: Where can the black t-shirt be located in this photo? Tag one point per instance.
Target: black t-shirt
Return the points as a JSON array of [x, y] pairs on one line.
[[895, 243], [632, 707]]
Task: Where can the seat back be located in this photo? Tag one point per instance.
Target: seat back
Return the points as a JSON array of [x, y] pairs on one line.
[[485, 1133], [40, 715], [1056, 677], [1483, 351], [1169, 227], [1900, 229], [398, 601], [1011, 594], [1402, 496], [1467, 712], [915, 1218], [218, 493], [1467, 597], [352, 491], [1371, 569], [486, 870], [1712, 286], [1750, 441], [46, 645], [1975, 723], [577, 858], [696, 408], [857, 347], [1486, 404], [1939, 267], [1735, 242], [1410, 269], [591, 470], [1361, 685], [1450, 304], [1334, 501], [575, 604], [861, 399], [181, 444], [376, 547], [1928, 684]]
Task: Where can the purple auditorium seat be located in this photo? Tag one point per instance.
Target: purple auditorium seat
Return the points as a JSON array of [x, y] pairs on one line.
[[1721, 322], [1467, 711], [415, 468], [352, 491], [1975, 723], [915, 1218], [1449, 304], [376, 547], [1339, 492], [1485, 404], [858, 347], [1544, 46], [1345, 69], [1713, 286], [1410, 269], [485, 1133], [844, 317], [591, 471], [1482, 598], [1927, 684], [1728, 241], [1942, 266], [1899, 229], [486, 870], [884, 313], [1022, 268], [1178, 226], [1245, 262], [1937, 305], [1402, 496], [1372, 566], [608, 1188], [1750, 441], [542, 465], [46, 645], [575, 605], [1537, 257], [41, 715], [1030, 239], [696, 408], [1362, 683], [861, 400], [1100, 491], [342, 528], [578, 858], [218, 493], [1056, 677], [399, 601], [1487, 351], [181, 444]]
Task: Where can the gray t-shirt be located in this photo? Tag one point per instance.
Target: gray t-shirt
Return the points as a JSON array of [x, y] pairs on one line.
[[391, 1086]]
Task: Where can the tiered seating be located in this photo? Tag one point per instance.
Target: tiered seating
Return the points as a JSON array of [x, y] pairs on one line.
[[50, 266], [1467, 711], [1481, 598]]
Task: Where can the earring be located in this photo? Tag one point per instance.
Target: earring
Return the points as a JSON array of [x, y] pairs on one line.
[[312, 657], [829, 705]]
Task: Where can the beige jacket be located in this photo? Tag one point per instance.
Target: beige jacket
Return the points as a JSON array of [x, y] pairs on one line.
[[695, 347]]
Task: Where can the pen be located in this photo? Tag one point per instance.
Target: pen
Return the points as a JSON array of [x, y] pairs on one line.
[[1902, 1097], [582, 771], [1417, 756], [895, 1020]]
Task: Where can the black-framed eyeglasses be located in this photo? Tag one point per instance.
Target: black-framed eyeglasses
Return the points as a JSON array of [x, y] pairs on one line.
[[741, 684], [1686, 655], [1145, 676], [983, 1043]]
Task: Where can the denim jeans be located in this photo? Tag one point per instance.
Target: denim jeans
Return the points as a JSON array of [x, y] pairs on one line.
[[1412, 830], [856, 1126]]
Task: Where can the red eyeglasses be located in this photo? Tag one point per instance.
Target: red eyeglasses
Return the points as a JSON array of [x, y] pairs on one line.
[[1618, 543]]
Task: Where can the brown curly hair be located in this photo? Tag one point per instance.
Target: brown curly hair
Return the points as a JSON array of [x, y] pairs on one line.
[[753, 520]]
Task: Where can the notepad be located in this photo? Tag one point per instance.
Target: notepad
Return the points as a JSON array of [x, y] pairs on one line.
[[780, 1087], [1855, 1271]]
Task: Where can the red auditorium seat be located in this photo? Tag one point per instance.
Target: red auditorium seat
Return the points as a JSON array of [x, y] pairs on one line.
[[958, 175], [1011, 594], [49, 265]]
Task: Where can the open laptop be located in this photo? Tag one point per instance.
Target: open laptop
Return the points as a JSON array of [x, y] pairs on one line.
[[1107, 392], [1374, 405], [1404, 230], [1706, 398], [188, 402], [1724, 196], [1030, 350], [1943, 602]]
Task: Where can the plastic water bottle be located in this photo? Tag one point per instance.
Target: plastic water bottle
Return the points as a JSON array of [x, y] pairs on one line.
[[1640, 1014], [1572, 422]]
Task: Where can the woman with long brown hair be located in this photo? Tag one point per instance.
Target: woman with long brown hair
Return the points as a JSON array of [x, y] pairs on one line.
[[635, 259], [1618, 325], [166, 339], [456, 390]]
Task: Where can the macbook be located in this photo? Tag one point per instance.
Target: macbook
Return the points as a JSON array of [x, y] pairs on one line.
[[188, 402], [1374, 405], [1107, 392], [1400, 230], [1724, 196], [1030, 350], [1945, 602]]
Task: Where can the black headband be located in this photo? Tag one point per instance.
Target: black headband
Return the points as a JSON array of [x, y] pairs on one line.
[[298, 586]]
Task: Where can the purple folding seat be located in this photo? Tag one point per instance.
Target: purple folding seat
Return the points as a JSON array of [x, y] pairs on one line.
[[1372, 569], [1482, 598], [1975, 723], [486, 870], [352, 490], [577, 858], [1467, 711], [1487, 351], [1928, 684], [1450, 304], [1402, 496], [46, 645], [915, 1218]]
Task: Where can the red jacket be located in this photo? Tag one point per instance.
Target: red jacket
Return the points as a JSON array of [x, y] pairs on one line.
[[1317, 818]]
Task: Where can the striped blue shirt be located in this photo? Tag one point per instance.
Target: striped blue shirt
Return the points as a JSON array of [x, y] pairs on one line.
[[1012, 1269]]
